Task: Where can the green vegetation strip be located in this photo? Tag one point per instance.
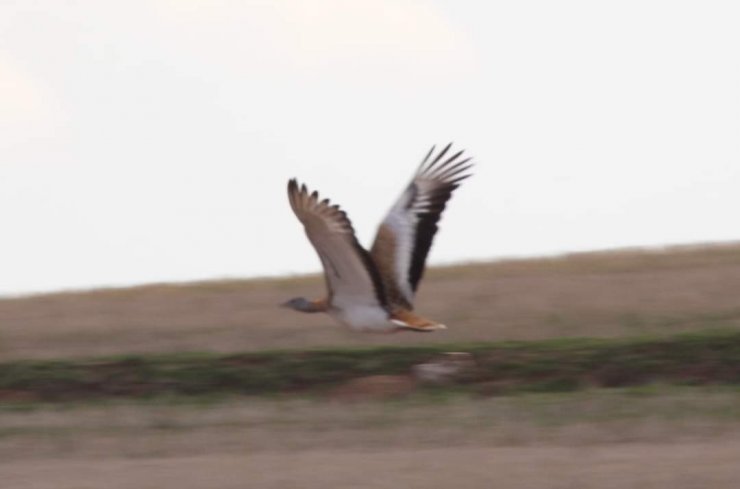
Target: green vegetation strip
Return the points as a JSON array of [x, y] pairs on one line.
[[553, 365]]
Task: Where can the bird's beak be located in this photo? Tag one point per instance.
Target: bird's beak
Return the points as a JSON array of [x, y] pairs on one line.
[[285, 305]]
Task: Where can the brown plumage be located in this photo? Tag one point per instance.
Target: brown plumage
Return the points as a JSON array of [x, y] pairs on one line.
[[374, 291]]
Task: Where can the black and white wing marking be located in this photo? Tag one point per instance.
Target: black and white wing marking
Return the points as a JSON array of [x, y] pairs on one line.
[[405, 236]]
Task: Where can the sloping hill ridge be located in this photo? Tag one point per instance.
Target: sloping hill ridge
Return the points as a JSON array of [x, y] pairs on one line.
[[623, 293]]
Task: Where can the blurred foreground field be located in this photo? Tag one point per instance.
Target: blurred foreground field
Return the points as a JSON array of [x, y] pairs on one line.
[[610, 294], [655, 437], [656, 434]]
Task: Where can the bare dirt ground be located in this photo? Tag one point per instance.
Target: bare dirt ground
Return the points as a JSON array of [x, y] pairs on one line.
[[597, 294], [668, 438], [635, 465]]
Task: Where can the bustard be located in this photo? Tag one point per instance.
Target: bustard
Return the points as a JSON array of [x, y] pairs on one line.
[[374, 291]]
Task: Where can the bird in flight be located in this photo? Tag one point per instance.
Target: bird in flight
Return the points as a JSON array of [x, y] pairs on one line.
[[374, 291]]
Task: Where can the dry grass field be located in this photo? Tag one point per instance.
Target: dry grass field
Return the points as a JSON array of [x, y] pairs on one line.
[[608, 294], [672, 438], [651, 437]]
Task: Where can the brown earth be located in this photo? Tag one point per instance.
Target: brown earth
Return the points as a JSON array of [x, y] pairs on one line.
[[636, 465], [374, 387], [668, 438], [595, 294]]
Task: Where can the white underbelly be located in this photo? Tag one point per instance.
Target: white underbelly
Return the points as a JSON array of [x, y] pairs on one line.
[[365, 318]]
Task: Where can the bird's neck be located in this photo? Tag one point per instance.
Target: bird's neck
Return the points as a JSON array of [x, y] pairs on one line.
[[320, 305]]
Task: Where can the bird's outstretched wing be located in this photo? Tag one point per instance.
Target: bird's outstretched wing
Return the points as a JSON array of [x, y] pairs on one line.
[[405, 236], [351, 276]]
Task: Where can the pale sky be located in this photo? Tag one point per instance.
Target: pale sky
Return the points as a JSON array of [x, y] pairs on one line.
[[147, 141]]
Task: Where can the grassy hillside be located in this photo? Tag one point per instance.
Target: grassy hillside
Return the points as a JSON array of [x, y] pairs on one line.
[[655, 384], [608, 294]]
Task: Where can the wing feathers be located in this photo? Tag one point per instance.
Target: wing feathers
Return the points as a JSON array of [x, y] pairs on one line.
[[405, 237], [439, 156], [351, 275], [389, 275], [426, 158]]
